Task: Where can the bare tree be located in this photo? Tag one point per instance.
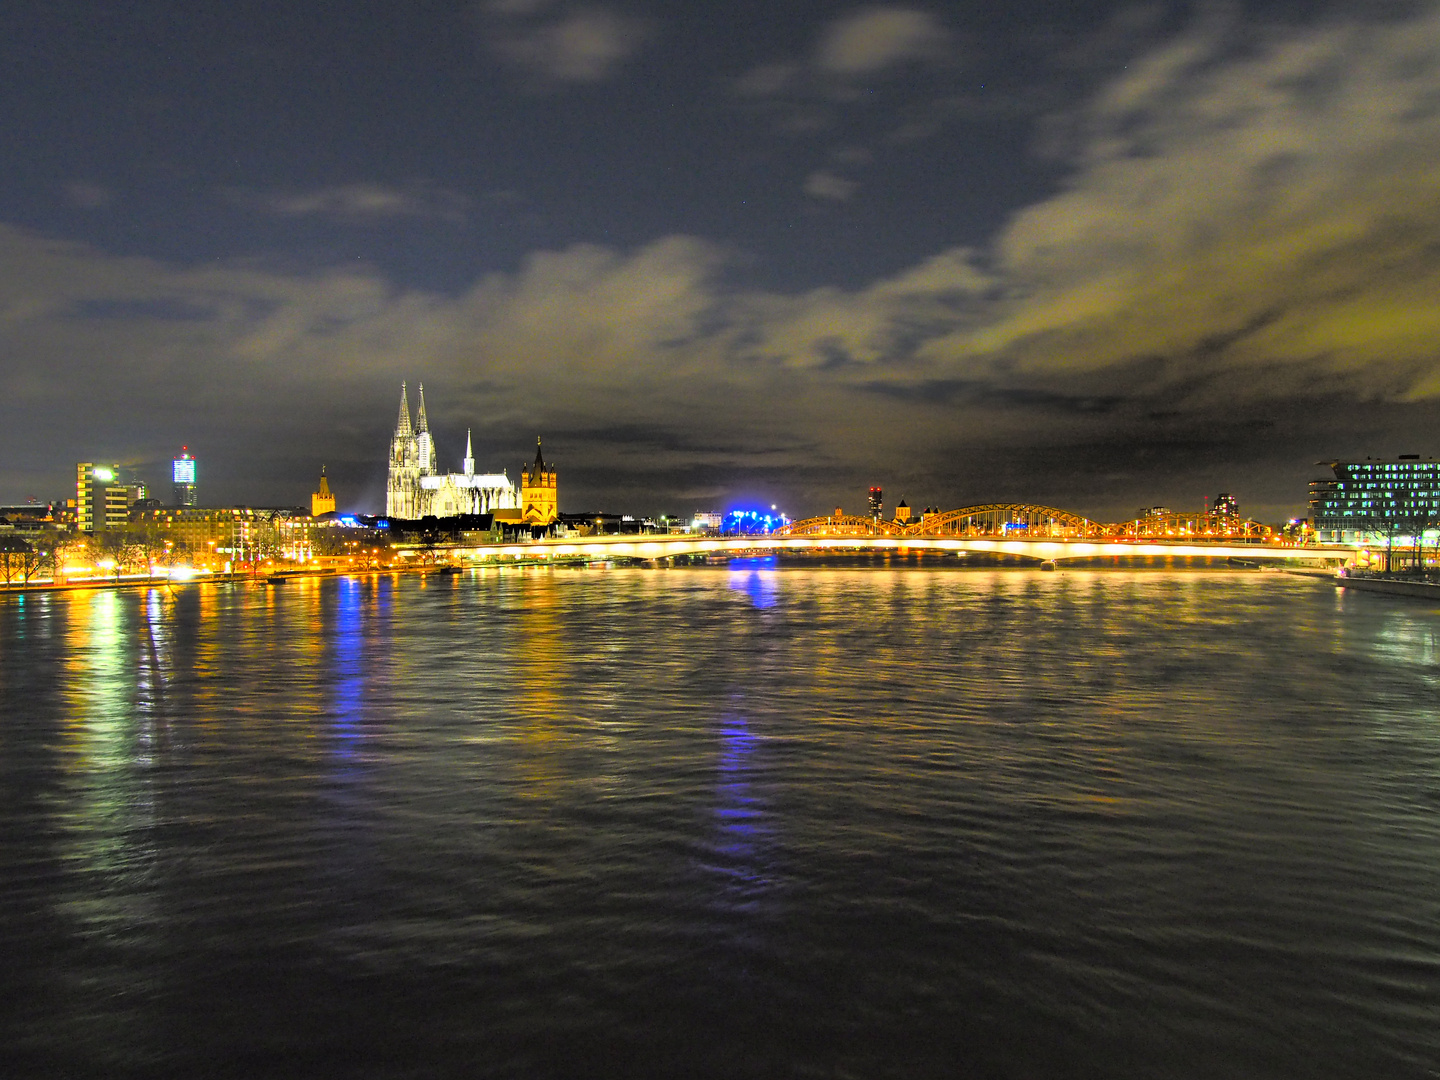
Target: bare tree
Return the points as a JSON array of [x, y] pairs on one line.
[[149, 543], [13, 552]]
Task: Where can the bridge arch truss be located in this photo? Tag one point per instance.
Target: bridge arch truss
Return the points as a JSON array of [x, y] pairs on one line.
[[841, 525], [1018, 520]]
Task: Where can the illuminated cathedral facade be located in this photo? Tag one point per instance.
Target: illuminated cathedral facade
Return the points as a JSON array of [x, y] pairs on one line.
[[416, 488]]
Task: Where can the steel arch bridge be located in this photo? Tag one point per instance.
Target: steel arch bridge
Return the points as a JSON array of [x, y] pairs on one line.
[[841, 525], [1042, 533], [1005, 519], [1020, 520], [1156, 526]]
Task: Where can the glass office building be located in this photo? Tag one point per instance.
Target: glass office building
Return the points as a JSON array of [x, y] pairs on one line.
[[1379, 500], [184, 477]]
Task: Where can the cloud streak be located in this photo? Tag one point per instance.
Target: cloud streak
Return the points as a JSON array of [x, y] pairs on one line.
[[823, 184], [877, 38], [357, 202], [562, 45]]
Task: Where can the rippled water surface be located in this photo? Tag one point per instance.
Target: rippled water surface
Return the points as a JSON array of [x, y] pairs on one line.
[[744, 822]]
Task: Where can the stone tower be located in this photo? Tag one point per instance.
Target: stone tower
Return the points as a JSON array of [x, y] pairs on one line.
[[538, 499], [322, 501]]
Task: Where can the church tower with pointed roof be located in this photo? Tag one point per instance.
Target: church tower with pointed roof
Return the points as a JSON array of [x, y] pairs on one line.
[[539, 501], [322, 501]]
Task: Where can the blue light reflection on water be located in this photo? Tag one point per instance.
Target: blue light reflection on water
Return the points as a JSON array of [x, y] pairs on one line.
[[755, 577], [739, 851], [347, 646]]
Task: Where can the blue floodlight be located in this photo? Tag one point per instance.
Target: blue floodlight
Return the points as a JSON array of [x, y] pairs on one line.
[[742, 520]]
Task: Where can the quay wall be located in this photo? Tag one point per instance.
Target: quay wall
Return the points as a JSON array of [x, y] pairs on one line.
[[1423, 589]]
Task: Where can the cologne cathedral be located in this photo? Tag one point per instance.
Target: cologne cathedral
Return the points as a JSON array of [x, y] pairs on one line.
[[416, 488]]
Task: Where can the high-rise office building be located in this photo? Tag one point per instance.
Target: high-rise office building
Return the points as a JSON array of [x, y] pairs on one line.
[[877, 504], [101, 499], [1225, 505], [184, 476]]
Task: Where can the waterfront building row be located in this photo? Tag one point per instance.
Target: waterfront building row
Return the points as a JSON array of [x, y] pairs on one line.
[[231, 534]]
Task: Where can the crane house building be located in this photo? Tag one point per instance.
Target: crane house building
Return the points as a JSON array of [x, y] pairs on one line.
[[1377, 500]]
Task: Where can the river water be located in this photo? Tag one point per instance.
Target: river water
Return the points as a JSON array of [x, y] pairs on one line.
[[722, 822]]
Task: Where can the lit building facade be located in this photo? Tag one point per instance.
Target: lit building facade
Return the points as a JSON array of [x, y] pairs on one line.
[[183, 473], [1372, 501], [101, 499], [232, 534], [322, 501], [415, 487], [539, 496], [877, 504]]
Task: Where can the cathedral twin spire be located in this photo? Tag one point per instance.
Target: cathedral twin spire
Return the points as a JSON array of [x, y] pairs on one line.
[[403, 430], [402, 426]]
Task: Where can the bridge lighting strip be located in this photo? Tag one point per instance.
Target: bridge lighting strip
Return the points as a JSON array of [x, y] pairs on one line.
[[1045, 550]]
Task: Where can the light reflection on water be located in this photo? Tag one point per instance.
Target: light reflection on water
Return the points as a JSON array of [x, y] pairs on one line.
[[719, 822]]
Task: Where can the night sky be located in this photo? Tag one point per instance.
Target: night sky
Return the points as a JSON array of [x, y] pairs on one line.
[[1090, 255]]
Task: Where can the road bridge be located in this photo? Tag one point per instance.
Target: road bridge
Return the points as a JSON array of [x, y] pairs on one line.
[[1041, 550], [1042, 533]]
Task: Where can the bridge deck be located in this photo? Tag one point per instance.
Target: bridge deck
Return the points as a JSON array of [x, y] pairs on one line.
[[660, 547]]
